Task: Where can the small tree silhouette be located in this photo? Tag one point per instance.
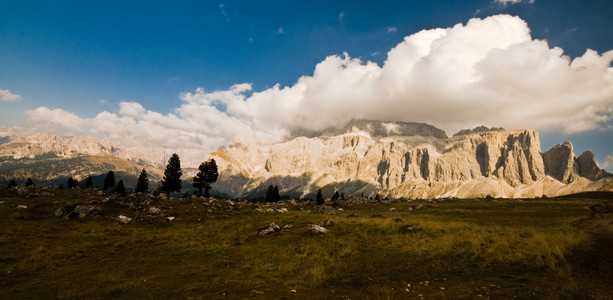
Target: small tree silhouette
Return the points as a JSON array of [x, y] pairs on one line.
[[207, 174], [72, 183], [320, 198], [29, 182], [142, 185], [89, 182], [109, 181], [120, 188], [172, 175], [335, 197]]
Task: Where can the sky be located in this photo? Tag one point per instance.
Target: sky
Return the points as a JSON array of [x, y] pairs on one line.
[[189, 76]]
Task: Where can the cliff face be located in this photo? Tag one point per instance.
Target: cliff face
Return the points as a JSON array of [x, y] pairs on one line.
[[414, 165]]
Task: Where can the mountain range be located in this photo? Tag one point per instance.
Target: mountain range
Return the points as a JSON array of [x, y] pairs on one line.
[[364, 158]]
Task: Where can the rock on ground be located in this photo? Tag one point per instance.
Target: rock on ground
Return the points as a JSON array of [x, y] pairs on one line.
[[325, 209], [123, 219], [270, 229], [316, 229]]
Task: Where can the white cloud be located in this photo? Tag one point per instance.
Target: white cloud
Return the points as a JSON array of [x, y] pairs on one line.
[[341, 15], [511, 2], [280, 30], [391, 29], [7, 96], [487, 72], [608, 163]]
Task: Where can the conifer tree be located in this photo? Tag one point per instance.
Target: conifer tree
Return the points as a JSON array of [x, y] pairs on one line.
[[320, 198], [172, 175], [72, 183], [207, 174], [29, 182], [120, 188], [335, 197], [343, 196], [142, 185], [89, 182], [12, 183], [109, 180], [269, 193], [275, 194]]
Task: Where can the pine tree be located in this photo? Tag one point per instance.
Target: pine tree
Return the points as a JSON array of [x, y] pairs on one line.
[[142, 185], [89, 182], [172, 175], [320, 198], [269, 193], [343, 196], [29, 182], [120, 188], [207, 174], [109, 180], [12, 183], [275, 194], [72, 183], [335, 197]]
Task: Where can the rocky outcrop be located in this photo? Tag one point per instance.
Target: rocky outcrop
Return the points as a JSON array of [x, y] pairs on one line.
[[588, 168], [478, 129], [560, 162], [380, 160], [379, 129]]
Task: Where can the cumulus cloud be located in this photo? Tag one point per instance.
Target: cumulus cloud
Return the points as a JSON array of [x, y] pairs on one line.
[[486, 72], [608, 163], [391, 29], [7, 96]]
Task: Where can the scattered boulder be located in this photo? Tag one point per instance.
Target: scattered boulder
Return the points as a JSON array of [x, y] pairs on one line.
[[270, 229], [154, 210], [327, 223], [287, 227], [123, 219], [352, 216], [170, 219], [325, 209], [392, 209], [410, 228], [83, 211], [282, 210], [78, 211], [316, 229], [21, 207], [379, 216]]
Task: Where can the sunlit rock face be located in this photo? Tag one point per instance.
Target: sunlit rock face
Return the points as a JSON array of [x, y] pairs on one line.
[[408, 160]]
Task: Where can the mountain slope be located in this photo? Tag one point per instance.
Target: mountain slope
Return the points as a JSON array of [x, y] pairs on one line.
[[365, 159]]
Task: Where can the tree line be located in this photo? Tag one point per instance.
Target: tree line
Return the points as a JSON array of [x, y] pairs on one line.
[[171, 182]]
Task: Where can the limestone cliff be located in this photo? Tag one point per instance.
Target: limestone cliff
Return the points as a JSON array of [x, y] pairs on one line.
[[398, 160]]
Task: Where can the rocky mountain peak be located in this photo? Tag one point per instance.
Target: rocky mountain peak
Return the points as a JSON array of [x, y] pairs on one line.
[[409, 160], [378, 129]]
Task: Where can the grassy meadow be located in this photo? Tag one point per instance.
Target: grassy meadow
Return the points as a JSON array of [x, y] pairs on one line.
[[466, 249]]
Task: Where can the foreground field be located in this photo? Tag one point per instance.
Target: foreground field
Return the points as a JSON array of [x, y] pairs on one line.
[[534, 249]]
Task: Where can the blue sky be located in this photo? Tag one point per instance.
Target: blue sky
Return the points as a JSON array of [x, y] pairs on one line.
[[86, 57]]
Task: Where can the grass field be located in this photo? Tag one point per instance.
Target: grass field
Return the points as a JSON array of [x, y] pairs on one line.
[[472, 249]]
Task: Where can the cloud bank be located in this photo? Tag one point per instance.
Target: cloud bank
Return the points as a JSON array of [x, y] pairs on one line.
[[486, 72], [7, 96]]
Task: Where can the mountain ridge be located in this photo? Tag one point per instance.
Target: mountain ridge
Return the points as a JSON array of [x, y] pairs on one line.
[[474, 163]]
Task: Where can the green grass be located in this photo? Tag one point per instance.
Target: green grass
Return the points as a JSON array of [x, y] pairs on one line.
[[498, 249]]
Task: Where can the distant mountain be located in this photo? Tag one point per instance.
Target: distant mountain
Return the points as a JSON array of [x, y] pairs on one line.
[[51, 159], [410, 160]]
